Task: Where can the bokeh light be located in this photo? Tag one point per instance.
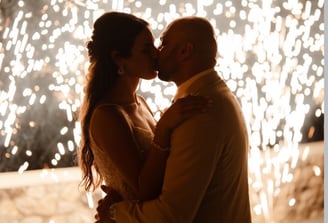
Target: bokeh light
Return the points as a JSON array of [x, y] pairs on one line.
[[271, 54]]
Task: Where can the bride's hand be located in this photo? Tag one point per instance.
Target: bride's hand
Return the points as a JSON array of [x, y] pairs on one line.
[[181, 110], [112, 196]]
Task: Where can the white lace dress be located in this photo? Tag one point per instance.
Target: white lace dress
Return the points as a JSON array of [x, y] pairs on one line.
[[111, 175]]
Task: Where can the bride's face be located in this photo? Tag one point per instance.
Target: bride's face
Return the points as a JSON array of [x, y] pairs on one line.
[[143, 60]]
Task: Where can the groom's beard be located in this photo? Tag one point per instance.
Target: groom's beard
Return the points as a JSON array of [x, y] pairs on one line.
[[163, 76], [168, 70], [169, 74]]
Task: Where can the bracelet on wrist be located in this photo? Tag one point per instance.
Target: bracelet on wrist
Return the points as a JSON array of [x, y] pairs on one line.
[[112, 212], [159, 148]]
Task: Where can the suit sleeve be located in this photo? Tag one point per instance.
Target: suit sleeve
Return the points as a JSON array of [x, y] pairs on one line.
[[190, 166]]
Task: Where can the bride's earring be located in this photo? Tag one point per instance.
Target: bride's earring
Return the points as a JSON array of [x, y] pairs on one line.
[[120, 71]]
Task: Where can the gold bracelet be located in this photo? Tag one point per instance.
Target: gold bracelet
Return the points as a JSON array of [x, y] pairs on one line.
[[159, 148], [112, 212]]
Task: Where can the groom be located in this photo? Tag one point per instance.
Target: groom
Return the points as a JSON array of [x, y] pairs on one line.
[[206, 178]]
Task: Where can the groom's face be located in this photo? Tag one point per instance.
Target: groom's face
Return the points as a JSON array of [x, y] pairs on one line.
[[168, 62]]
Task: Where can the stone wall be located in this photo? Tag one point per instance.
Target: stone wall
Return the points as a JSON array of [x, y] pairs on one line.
[[55, 203], [52, 196], [47, 196]]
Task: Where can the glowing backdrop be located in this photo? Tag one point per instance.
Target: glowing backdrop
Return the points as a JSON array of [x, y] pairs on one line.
[[271, 53]]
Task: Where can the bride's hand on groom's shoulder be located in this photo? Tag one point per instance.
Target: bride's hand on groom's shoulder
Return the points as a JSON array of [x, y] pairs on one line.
[[183, 109]]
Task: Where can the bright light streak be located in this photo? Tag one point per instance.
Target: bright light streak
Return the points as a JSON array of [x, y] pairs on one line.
[[272, 62]]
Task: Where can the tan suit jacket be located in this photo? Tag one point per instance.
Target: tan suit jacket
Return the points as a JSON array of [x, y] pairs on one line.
[[206, 178]]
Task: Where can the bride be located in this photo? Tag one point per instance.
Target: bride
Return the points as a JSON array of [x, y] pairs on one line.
[[122, 146]]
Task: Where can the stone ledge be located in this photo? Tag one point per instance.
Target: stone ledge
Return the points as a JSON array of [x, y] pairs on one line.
[[52, 195]]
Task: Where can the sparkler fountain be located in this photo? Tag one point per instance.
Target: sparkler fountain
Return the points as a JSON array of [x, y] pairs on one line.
[[271, 55]]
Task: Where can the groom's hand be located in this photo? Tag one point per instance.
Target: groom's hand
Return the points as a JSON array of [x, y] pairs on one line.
[[103, 214]]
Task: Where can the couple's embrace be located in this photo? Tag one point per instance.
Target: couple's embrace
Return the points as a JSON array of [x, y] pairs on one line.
[[191, 165]]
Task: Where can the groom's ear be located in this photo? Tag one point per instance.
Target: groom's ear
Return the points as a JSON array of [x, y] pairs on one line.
[[186, 51]]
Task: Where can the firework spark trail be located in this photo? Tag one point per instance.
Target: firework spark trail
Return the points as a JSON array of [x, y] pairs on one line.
[[270, 54]]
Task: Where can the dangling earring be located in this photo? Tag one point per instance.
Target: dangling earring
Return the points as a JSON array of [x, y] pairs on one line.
[[120, 71]]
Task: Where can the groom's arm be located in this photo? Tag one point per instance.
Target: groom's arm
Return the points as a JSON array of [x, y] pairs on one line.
[[189, 169]]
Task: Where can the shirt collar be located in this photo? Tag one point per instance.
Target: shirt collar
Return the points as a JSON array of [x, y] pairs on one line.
[[183, 88]]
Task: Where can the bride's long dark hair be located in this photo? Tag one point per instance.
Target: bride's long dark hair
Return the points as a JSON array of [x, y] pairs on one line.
[[113, 31]]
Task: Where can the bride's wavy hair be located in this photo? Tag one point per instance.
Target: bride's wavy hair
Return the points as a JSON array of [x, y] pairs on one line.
[[112, 32]]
